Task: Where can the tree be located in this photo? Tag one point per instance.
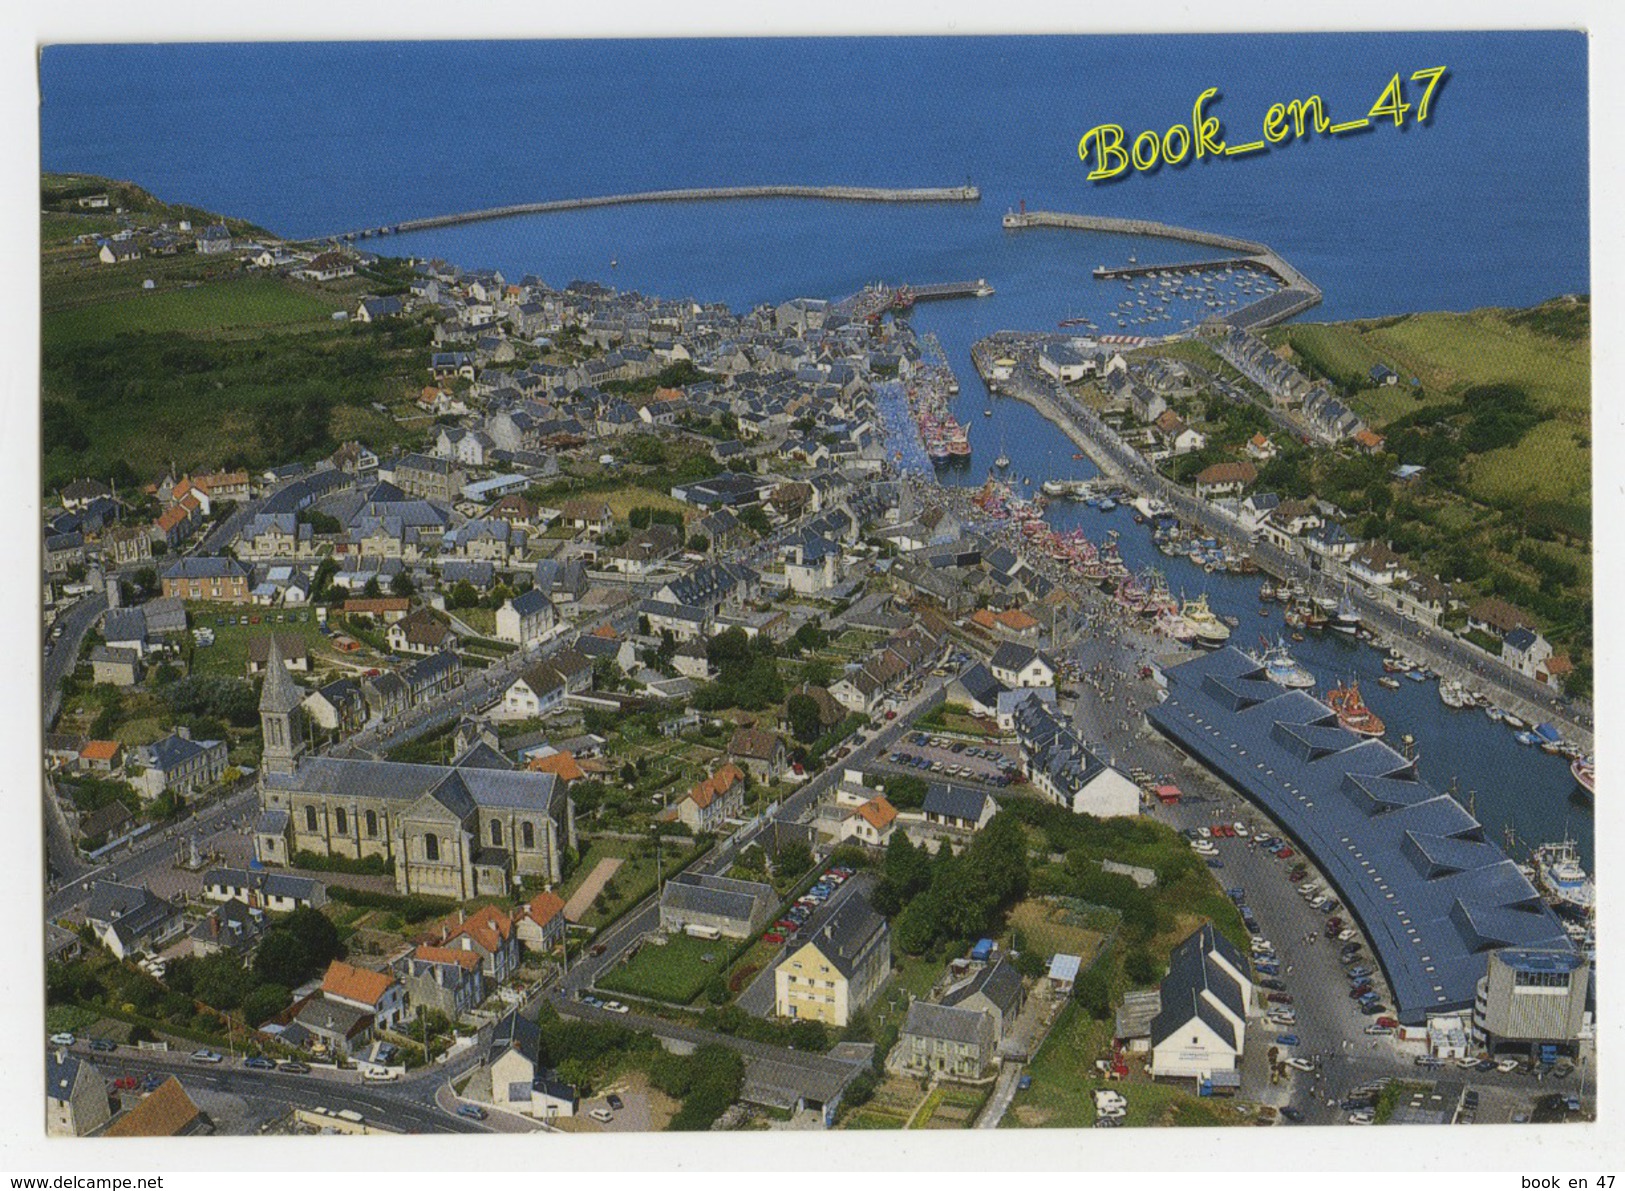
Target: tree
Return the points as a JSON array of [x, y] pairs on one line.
[[698, 543], [915, 928], [402, 585], [907, 868], [1094, 993], [265, 1002], [793, 857], [805, 721], [1141, 967], [464, 595], [281, 959], [372, 591]]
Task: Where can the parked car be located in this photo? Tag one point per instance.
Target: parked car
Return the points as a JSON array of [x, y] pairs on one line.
[[1300, 1064], [259, 1063], [1362, 1118], [207, 1056], [1025, 1082], [472, 1111], [1279, 998], [1272, 984], [1507, 1066], [616, 1007], [1374, 1008], [1286, 1040], [1284, 853], [293, 1068], [1292, 1114], [773, 936], [1391, 1022], [126, 1083], [614, 1102], [602, 1115], [62, 1039], [103, 1045]]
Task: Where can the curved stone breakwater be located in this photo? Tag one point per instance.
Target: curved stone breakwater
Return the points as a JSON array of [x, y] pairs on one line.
[[1299, 295], [862, 194]]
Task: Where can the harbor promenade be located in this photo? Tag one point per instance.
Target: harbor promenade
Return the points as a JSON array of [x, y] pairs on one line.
[[1440, 650], [862, 194]]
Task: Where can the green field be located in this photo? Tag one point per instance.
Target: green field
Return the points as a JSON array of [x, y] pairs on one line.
[[676, 972], [222, 307], [1450, 353], [228, 656]]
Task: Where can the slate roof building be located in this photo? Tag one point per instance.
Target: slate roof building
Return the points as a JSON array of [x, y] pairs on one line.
[[1066, 770], [131, 918], [738, 909], [946, 1040], [837, 971], [458, 831], [76, 1102], [1206, 998], [1429, 888]]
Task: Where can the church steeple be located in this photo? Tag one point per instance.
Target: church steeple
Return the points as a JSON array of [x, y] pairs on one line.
[[279, 700]]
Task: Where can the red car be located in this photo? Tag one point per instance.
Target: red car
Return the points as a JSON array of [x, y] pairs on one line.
[[1285, 854], [1280, 998], [125, 1083], [1358, 991], [772, 937], [891, 715], [1391, 1022]]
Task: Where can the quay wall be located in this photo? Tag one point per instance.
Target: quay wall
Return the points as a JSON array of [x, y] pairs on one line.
[[867, 194]]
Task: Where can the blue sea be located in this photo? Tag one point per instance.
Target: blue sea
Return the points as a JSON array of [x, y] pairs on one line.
[[1484, 204]]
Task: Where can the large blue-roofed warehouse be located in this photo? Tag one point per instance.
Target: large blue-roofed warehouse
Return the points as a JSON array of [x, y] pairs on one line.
[[1433, 895]]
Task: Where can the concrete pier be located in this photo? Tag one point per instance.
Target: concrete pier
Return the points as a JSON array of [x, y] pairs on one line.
[[862, 194]]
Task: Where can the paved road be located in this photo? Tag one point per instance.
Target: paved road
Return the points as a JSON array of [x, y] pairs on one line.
[[380, 1103], [480, 689], [60, 660], [1004, 1091], [158, 849]]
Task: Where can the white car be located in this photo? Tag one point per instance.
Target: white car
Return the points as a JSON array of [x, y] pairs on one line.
[[602, 1115], [1507, 1066], [616, 1007], [1343, 936], [1300, 1064], [1240, 829], [207, 1056], [1362, 1118], [380, 1075], [61, 1039], [1204, 832]]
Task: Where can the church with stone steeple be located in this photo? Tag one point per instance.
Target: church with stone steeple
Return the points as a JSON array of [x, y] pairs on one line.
[[476, 827]]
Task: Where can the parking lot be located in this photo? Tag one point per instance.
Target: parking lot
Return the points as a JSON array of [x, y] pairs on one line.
[[1328, 1025], [929, 756]]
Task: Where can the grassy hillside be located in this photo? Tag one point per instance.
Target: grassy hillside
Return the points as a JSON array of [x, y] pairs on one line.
[[1543, 353], [214, 364]]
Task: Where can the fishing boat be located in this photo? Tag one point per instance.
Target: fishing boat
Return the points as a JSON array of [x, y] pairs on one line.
[[1351, 710], [1559, 874], [1389, 681], [1548, 738], [1585, 774], [1452, 694], [1514, 722], [1267, 591], [1281, 668], [1211, 632], [1525, 738], [1346, 619]]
